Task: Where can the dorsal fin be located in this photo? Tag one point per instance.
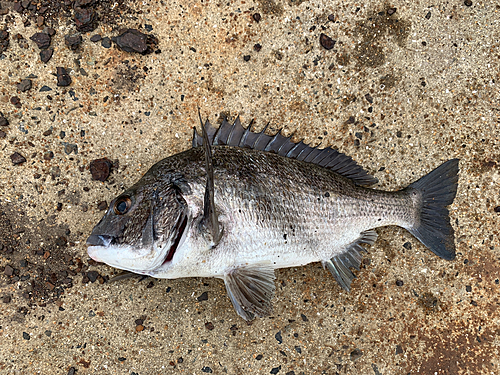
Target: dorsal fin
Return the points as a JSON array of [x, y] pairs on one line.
[[236, 135]]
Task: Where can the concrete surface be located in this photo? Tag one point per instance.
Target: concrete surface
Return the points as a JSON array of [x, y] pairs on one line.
[[400, 93]]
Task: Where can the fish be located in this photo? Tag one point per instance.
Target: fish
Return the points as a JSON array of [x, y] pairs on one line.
[[240, 204]]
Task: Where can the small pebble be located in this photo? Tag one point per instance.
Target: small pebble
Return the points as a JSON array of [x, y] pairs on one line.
[[17, 158], [132, 40], [46, 55], [100, 169], [95, 38], [391, 11], [73, 41], [356, 354], [246, 57], [326, 42], [42, 40], [3, 121], [92, 275], [275, 370], [71, 371], [63, 78], [101, 206], [209, 326], [468, 3], [278, 337], [106, 42], [203, 297], [26, 336], [257, 47], [428, 15], [45, 88], [399, 282], [24, 85], [85, 19], [16, 101], [257, 17], [207, 369]]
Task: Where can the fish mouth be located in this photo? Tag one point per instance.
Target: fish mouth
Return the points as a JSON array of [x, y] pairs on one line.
[[179, 230]]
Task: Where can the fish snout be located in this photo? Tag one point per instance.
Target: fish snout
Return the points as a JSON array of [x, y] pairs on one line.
[[99, 240]]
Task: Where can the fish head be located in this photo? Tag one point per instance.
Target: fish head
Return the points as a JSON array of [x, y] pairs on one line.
[[141, 229]]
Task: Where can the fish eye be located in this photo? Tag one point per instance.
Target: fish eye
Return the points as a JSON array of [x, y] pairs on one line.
[[122, 205]]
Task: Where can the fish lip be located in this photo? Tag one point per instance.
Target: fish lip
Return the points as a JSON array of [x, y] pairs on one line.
[[180, 227], [99, 240]]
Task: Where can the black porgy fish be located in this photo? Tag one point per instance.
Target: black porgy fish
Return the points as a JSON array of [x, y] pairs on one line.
[[239, 204]]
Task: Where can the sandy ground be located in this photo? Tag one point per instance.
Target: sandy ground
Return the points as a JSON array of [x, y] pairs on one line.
[[401, 91]]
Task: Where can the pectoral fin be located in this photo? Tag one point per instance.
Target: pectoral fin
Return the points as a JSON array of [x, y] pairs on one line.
[[210, 218], [251, 289]]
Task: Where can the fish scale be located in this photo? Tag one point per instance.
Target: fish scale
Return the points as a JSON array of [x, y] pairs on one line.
[[239, 205]]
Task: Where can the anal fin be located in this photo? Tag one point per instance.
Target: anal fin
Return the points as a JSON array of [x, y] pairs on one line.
[[251, 289], [340, 265]]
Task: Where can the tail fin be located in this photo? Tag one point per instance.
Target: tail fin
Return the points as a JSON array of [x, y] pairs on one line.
[[437, 189]]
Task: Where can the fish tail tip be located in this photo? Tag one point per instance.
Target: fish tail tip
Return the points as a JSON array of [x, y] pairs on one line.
[[436, 191]]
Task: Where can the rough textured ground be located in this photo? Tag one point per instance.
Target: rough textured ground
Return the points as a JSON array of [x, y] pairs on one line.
[[406, 86]]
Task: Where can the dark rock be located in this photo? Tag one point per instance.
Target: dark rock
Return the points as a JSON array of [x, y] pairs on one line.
[[139, 322], [18, 7], [428, 15], [73, 41], [2, 134], [468, 3], [102, 205], [26, 336], [71, 371], [69, 148], [95, 38], [4, 40], [369, 98], [45, 88], [42, 40], [391, 11], [326, 42], [206, 369], [399, 283], [85, 19], [132, 40], [16, 101], [8, 271], [100, 169], [278, 337], [46, 54], [63, 78], [209, 326], [275, 370], [40, 21], [7, 299], [17, 158], [257, 17], [203, 297], [49, 155], [246, 57], [331, 18], [83, 3], [356, 354], [106, 42], [257, 47], [92, 275], [25, 85], [3, 121]]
